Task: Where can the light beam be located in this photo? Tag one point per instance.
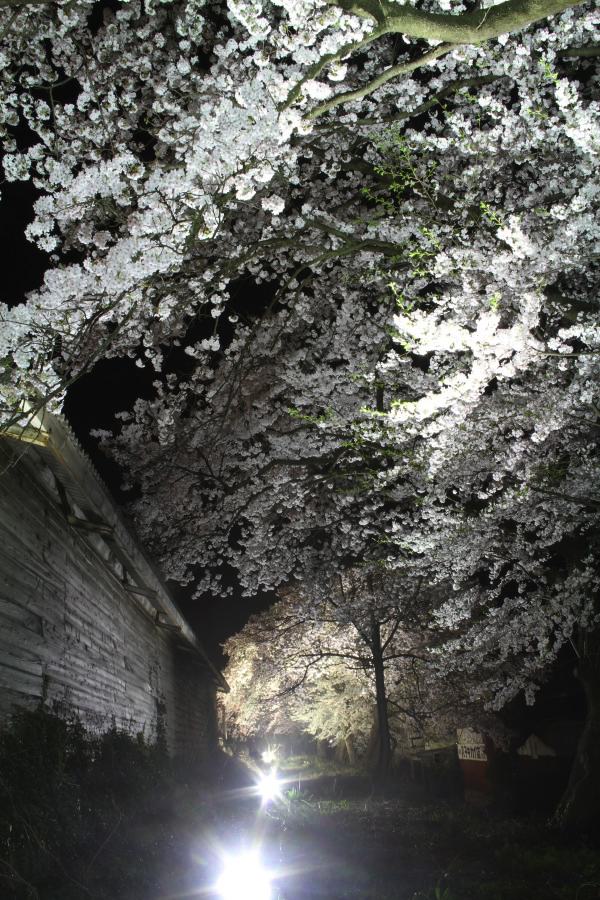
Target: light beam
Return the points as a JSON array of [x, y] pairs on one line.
[[244, 878]]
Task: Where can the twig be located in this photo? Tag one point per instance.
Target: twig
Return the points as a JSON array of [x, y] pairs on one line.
[[380, 80], [108, 838]]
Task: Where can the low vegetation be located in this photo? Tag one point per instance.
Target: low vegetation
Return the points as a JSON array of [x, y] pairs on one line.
[[81, 815], [111, 818], [410, 848]]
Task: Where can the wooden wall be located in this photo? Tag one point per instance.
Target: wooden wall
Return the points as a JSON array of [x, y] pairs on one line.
[[70, 633]]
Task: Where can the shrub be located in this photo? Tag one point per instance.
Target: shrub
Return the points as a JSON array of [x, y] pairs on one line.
[[72, 806]]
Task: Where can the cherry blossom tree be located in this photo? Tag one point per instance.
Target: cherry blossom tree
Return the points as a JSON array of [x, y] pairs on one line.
[[134, 161], [373, 608], [345, 668], [419, 390]]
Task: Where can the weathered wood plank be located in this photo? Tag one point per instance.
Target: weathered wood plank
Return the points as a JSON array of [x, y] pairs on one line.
[[20, 615], [70, 631]]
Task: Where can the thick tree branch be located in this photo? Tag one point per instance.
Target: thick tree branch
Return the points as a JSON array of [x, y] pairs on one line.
[[466, 28], [591, 502], [433, 101], [452, 30], [329, 58]]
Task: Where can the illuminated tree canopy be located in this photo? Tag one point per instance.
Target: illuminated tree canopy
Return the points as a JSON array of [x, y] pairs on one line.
[[412, 191], [338, 659]]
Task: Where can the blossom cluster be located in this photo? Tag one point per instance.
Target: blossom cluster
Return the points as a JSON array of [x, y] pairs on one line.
[[419, 390]]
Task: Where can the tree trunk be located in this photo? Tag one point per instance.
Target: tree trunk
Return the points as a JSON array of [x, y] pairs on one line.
[[373, 742], [579, 807], [341, 754], [322, 749], [350, 750], [384, 749]]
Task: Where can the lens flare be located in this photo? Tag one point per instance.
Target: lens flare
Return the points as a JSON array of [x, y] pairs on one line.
[[269, 786], [269, 756], [244, 878]]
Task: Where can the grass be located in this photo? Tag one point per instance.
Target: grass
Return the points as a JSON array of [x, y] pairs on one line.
[[403, 846], [108, 818], [419, 851]]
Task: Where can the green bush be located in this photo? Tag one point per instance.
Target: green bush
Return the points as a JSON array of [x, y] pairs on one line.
[[80, 813]]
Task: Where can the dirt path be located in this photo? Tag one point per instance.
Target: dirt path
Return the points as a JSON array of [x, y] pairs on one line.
[[341, 841]]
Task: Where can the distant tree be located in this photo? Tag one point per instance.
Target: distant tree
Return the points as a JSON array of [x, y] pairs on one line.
[[285, 671], [338, 659]]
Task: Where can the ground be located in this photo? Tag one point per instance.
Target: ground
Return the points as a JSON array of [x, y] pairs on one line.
[[333, 836], [114, 819]]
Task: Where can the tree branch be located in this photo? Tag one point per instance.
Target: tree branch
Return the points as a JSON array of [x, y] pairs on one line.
[[466, 28], [380, 80], [474, 27], [590, 50]]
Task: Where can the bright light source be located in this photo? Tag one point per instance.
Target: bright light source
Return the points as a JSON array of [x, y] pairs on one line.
[[269, 786], [244, 878], [269, 755]]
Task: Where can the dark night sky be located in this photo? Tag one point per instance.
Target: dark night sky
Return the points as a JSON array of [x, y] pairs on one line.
[[24, 263], [93, 400]]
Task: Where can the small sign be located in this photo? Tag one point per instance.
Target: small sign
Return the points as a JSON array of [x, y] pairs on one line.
[[471, 745], [472, 751]]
